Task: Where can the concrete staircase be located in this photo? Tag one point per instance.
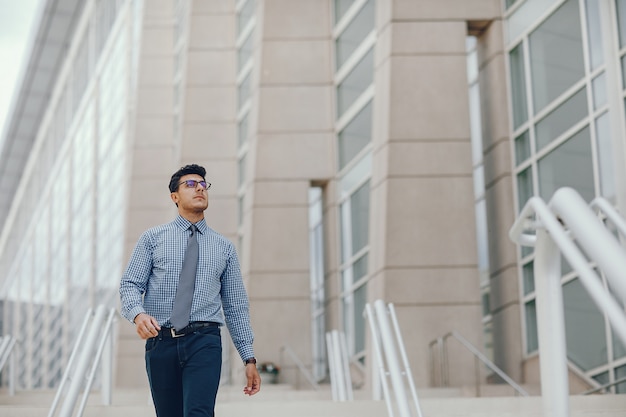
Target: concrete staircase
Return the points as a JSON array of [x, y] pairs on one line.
[[284, 401]]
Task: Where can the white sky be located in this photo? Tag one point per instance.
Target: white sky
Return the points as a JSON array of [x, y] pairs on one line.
[[16, 19]]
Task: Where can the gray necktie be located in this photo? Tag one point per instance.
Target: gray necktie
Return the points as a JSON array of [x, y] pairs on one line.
[[186, 284]]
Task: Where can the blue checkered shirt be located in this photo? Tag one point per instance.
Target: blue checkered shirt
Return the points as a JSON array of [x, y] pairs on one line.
[[150, 281]]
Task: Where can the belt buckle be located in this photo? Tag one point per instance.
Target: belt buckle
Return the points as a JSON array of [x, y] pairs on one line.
[[174, 334]]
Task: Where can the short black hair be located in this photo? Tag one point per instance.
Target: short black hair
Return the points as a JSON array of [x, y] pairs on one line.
[[186, 170]]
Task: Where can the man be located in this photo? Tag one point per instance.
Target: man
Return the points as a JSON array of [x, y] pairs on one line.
[[180, 318]]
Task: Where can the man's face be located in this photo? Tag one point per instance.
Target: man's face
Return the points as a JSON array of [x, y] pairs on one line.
[[192, 198]]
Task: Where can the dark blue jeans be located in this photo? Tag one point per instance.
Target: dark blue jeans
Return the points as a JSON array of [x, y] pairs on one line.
[[184, 373]]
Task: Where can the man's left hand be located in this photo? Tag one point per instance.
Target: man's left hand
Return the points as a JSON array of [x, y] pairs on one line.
[[254, 380]]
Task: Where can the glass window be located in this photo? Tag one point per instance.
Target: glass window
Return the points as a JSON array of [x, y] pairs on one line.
[[594, 29], [528, 272], [599, 91], [244, 53], [245, 15], [241, 169], [584, 328], [528, 12], [556, 54], [532, 339], [242, 130], [522, 147], [341, 7], [244, 91], [359, 210], [605, 156], [360, 299], [518, 86], [621, 21], [569, 165], [355, 136], [562, 118], [361, 77], [619, 374], [354, 33], [524, 187]]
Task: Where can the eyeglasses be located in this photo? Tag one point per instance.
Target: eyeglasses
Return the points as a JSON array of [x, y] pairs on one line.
[[194, 183]]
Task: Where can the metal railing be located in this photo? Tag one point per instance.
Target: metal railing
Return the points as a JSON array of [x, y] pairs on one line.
[[382, 320], [339, 366], [94, 337], [7, 343], [299, 364], [556, 224], [444, 368]]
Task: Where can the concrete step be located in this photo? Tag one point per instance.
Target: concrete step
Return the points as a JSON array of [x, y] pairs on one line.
[[595, 406], [283, 400]]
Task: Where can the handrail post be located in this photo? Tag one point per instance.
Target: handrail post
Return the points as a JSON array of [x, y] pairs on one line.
[[107, 367], [379, 357], [81, 366], [392, 359], [12, 374], [551, 326]]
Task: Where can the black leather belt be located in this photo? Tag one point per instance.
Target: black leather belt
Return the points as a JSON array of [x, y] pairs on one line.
[[171, 333]]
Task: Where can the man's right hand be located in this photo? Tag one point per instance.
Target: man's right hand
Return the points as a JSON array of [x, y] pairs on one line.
[[146, 325]]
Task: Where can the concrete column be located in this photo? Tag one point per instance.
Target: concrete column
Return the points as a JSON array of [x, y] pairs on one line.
[[501, 211], [153, 154], [423, 241], [291, 146]]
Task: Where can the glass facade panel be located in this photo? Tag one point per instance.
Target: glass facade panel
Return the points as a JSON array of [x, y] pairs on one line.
[[594, 32], [532, 339], [605, 156], [587, 349], [528, 273], [569, 165], [360, 299], [562, 118], [354, 33], [524, 187], [528, 12], [243, 91], [245, 15], [599, 91], [341, 7], [355, 83], [244, 53], [522, 147], [620, 373], [620, 6], [359, 215], [518, 86], [556, 54], [355, 136]]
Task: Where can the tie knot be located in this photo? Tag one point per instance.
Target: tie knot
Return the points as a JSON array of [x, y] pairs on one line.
[[193, 228]]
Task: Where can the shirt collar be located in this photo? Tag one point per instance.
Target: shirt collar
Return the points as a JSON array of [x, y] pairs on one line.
[[184, 224]]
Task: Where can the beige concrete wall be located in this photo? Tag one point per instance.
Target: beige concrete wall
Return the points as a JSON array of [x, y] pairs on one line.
[[291, 146], [153, 155], [423, 240]]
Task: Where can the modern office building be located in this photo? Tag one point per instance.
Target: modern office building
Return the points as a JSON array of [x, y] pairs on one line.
[[358, 150]]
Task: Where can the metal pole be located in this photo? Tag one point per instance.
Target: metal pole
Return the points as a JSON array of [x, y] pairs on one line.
[[81, 366], [405, 358], [392, 359], [12, 374], [551, 327], [379, 357], [107, 362], [347, 379], [70, 362], [332, 365]]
